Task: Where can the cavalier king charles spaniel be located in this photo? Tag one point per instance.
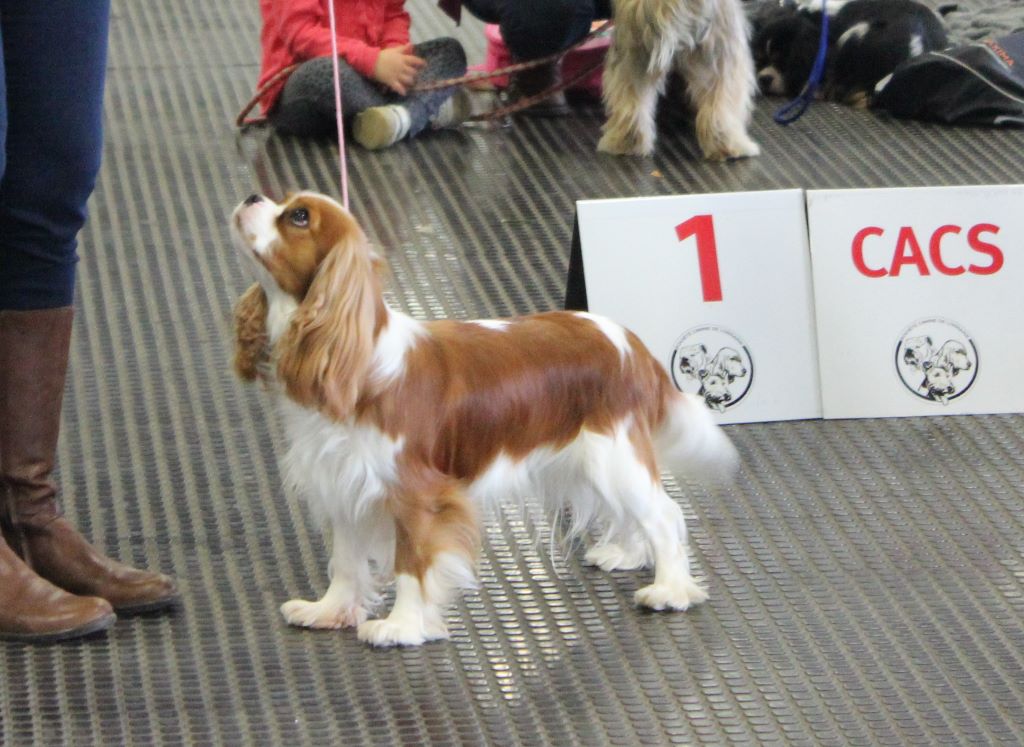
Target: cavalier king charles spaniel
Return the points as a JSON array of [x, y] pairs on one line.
[[401, 431]]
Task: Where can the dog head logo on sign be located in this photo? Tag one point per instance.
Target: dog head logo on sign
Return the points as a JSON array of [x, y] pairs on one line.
[[714, 364], [936, 360]]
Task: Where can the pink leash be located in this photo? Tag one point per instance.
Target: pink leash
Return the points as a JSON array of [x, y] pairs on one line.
[[342, 165]]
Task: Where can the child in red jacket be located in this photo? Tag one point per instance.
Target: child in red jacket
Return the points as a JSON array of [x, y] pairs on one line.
[[378, 69]]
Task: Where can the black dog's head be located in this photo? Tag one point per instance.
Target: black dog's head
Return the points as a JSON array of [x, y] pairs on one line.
[[784, 45]]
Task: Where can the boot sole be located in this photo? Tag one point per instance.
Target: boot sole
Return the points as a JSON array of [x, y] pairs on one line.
[[98, 625], [142, 608]]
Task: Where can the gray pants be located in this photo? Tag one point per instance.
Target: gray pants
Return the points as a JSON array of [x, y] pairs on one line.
[[306, 105]]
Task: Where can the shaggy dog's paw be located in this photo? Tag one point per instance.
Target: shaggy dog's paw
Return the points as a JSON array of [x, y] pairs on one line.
[[738, 147], [681, 594], [322, 616], [628, 143]]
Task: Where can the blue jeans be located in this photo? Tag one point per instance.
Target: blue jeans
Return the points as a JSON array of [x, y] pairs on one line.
[[537, 28], [52, 73]]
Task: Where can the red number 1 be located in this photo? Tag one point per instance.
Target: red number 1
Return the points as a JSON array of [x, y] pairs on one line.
[[703, 228]]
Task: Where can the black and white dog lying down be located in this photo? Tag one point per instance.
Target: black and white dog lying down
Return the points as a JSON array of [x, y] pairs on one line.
[[868, 39]]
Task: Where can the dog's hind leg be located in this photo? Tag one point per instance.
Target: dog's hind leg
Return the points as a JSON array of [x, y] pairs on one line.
[[436, 543], [642, 522], [638, 62], [720, 81], [665, 527], [619, 554], [350, 592]]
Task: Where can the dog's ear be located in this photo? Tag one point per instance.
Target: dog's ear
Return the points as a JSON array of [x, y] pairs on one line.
[[251, 340], [325, 355]]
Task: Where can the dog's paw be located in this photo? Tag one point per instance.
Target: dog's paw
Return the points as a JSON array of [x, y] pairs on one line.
[[738, 147], [858, 100], [392, 632], [627, 143], [678, 595], [322, 616], [609, 556]]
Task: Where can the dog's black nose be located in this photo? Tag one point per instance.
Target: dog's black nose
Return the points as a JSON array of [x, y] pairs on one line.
[[252, 200]]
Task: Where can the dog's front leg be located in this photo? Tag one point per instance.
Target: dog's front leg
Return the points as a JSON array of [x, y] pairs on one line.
[[351, 590], [436, 543], [638, 63]]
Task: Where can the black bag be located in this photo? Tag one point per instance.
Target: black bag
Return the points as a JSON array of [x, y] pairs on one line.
[[980, 83]]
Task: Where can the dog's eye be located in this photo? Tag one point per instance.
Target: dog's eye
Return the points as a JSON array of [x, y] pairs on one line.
[[299, 217]]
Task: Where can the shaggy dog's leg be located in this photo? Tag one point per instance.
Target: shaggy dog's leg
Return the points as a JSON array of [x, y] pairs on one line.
[[719, 75], [638, 62]]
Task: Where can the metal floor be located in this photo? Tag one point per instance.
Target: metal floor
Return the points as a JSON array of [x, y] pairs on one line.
[[866, 577]]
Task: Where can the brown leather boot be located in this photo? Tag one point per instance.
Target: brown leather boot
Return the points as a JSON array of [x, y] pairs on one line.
[[533, 81], [33, 610], [33, 363]]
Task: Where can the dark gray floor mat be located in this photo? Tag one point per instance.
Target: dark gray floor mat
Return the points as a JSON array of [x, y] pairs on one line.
[[866, 577]]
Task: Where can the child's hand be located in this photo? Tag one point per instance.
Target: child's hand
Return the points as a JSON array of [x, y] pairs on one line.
[[397, 68]]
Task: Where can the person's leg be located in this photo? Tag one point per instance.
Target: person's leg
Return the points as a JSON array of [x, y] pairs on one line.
[[53, 146], [488, 11], [306, 105], [445, 59], [31, 608], [407, 116], [537, 28]]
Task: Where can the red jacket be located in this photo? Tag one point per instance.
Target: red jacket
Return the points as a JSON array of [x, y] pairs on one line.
[[299, 30]]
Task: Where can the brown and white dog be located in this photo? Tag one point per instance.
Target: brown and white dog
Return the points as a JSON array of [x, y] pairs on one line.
[[400, 430], [707, 43]]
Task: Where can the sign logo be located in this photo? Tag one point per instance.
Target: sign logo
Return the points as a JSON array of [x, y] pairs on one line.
[[712, 363], [936, 360]]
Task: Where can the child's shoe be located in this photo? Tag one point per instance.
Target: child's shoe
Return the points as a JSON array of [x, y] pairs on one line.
[[455, 110], [381, 126]]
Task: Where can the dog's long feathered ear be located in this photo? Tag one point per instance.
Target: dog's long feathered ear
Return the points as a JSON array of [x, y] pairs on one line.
[[251, 341], [325, 354]]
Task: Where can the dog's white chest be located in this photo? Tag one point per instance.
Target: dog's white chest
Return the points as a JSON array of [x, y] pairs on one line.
[[343, 470]]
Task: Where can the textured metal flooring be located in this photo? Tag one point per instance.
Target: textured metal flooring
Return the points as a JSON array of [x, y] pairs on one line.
[[866, 578]]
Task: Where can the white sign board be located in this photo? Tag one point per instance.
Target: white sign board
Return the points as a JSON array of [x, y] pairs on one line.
[[920, 300], [719, 288]]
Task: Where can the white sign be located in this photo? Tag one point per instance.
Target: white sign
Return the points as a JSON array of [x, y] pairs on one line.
[[920, 300], [719, 288]]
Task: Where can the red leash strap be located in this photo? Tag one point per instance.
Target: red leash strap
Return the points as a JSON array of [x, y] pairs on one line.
[[240, 120], [516, 67]]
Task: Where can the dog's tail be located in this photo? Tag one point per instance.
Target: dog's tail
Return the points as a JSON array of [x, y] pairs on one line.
[[691, 443]]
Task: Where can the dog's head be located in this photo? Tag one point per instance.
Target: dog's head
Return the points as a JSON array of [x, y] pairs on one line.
[[692, 360], [918, 352], [288, 243], [784, 45], [938, 380], [316, 267], [728, 364], [953, 356]]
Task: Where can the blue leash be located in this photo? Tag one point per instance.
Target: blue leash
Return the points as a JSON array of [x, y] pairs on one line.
[[793, 110]]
